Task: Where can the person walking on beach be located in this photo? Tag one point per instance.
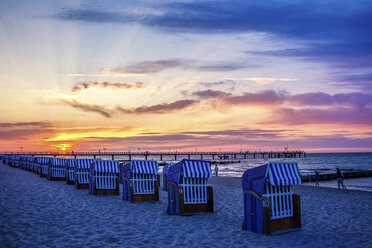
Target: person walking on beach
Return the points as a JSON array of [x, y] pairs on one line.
[[216, 170], [340, 179], [317, 178]]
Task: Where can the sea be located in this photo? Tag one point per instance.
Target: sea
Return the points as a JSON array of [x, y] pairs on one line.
[[321, 162]]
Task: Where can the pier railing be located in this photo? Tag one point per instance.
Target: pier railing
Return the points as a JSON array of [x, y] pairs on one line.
[[172, 155]]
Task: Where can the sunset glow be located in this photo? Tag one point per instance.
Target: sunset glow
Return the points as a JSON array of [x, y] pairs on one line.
[[129, 75]]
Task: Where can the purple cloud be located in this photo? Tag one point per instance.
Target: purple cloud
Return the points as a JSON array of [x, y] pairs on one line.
[[205, 94], [159, 108], [261, 98], [114, 85], [88, 107]]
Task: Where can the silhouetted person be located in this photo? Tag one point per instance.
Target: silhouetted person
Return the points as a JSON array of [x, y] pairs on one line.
[[340, 179], [216, 170], [317, 178]]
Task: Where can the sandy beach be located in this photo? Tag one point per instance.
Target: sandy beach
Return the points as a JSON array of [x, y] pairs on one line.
[[35, 212]]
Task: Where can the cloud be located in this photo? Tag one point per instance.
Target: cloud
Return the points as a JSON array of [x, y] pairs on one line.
[[88, 107], [238, 138], [352, 116], [269, 97], [155, 66], [218, 83], [264, 81], [205, 94], [146, 67], [358, 100], [25, 124], [114, 85], [23, 130], [362, 81], [159, 108]]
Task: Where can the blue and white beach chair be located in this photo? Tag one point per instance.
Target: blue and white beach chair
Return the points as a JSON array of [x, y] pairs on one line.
[[82, 167], [70, 171], [165, 176], [269, 202], [15, 161], [104, 177], [42, 166], [28, 162], [140, 181], [57, 169], [188, 189]]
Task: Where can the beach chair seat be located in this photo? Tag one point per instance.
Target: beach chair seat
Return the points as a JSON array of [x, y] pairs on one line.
[[104, 177], [57, 169], [70, 171], [42, 166], [269, 202], [81, 173], [140, 181], [188, 189], [165, 175]]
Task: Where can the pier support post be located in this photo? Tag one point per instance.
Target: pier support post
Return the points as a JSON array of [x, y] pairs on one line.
[[130, 157], [112, 157], [189, 156], [161, 157], [175, 156], [145, 156], [201, 156]]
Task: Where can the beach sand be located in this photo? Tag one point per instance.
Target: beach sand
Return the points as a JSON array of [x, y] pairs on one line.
[[35, 212]]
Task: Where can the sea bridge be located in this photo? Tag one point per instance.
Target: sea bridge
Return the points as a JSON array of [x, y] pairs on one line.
[[163, 156]]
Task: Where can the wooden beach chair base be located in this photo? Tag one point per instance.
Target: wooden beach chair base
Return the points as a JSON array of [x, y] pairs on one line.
[[271, 226], [56, 178], [145, 197], [191, 208], [81, 185], [96, 191], [70, 182]]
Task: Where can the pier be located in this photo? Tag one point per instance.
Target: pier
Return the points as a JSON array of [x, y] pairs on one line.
[[170, 156]]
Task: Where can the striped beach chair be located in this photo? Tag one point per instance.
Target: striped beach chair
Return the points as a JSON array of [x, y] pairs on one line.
[[57, 169], [188, 189], [70, 171], [165, 175], [81, 173], [30, 163], [140, 181], [22, 162], [42, 166], [269, 202], [15, 161], [104, 177]]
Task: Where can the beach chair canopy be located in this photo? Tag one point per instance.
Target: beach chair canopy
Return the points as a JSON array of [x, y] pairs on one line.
[[42, 160], [189, 169], [70, 163], [275, 173], [166, 167], [83, 163], [105, 166], [30, 159], [14, 157], [140, 167], [59, 161]]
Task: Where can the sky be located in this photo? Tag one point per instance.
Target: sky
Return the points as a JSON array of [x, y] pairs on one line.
[[186, 75]]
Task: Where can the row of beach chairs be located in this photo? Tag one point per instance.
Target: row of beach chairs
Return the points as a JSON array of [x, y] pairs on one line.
[[269, 202]]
